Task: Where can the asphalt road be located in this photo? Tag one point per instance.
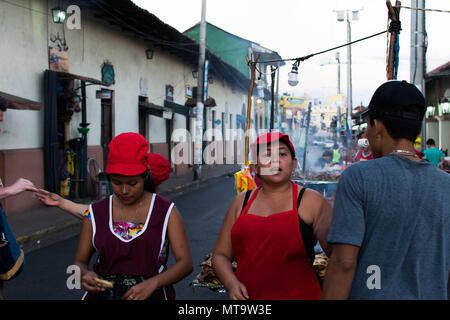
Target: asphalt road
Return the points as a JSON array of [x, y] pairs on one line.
[[202, 209]]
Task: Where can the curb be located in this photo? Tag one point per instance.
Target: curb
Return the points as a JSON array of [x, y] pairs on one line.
[[40, 233]]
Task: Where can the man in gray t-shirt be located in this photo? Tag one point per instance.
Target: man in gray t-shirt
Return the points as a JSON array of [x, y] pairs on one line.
[[390, 226]]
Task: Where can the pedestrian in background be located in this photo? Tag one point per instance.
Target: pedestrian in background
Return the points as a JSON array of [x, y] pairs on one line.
[[433, 154], [271, 232], [364, 152], [390, 225], [12, 258], [131, 230]]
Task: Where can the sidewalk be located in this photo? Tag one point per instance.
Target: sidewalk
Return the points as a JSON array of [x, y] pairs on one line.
[[43, 226]]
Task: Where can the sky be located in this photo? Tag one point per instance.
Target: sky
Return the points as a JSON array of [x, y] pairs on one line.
[[296, 28]]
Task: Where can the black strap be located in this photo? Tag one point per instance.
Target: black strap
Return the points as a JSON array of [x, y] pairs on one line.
[[300, 196], [307, 232], [247, 196]]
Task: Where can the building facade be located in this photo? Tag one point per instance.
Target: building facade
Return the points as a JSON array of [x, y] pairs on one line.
[[233, 50], [100, 73], [437, 93]]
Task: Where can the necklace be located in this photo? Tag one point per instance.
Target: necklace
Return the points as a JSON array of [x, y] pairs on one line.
[[405, 153], [123, 216]]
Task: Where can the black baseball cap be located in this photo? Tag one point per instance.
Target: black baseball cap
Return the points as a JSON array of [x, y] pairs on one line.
[[397, 99]]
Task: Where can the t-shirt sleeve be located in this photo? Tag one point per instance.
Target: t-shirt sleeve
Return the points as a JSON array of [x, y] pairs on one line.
[[87, 213], [348, 223]]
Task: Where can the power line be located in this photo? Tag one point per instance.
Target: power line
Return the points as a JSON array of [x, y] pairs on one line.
[[327, 50], [424, 9]]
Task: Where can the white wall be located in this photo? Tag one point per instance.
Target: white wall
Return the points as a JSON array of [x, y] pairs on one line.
[[23, 58], [444, 143], [432, 131]]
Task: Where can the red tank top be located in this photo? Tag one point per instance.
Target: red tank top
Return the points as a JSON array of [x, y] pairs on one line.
[[271, 258]]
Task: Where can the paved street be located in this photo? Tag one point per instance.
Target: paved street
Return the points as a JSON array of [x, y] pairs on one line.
[[203, 209]]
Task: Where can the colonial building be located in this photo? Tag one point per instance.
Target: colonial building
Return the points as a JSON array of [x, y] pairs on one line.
[[233, 50], [110, 67]]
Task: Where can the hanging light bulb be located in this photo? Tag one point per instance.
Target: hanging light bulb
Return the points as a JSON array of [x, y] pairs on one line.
[[293, 75], [260, 89]]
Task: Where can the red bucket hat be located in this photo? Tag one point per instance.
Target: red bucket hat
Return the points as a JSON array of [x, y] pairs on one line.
[[128, 156], [159, 167], [267, 138]]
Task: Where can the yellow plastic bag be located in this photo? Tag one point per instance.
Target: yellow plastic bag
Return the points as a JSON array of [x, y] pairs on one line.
[[244, 180], [64, 186]]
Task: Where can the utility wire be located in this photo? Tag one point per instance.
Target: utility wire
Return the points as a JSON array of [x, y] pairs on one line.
[[327, 50], [424, 9]]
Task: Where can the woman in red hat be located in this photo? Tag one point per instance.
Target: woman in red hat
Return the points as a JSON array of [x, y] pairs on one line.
[[271, 231], [131, 230]]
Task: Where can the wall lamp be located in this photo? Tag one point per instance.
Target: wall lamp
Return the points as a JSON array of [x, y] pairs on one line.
[[59, 15]]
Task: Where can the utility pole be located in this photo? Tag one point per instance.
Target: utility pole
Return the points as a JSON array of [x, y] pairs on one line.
[[349, 74], [341, 18], [338, 120], [417, 52], [338, 55], [272, 92], [308, 120], [198, 141]]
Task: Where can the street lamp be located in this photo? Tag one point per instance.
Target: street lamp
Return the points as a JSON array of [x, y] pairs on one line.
[[293, 75], [59, 15]]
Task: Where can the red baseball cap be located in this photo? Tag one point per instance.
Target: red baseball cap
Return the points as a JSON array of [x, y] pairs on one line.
[[128, 156], [267, 138]]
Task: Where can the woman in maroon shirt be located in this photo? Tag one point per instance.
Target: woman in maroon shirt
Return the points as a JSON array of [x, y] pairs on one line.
[[271, 233], [131, 230]]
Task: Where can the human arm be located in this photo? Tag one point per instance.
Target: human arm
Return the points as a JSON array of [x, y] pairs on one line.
[[340, 272], [346, 234], [322, 221], [83, 254], [183, 262], [222, 256], [16, 188], [316, 211], [54, 200]]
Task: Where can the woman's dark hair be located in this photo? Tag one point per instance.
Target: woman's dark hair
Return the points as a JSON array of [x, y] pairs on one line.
[[397, 127], [149, 183]]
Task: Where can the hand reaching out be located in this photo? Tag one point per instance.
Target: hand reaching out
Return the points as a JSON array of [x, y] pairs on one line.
[[18, 187], [22, 185], [48, 198]]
